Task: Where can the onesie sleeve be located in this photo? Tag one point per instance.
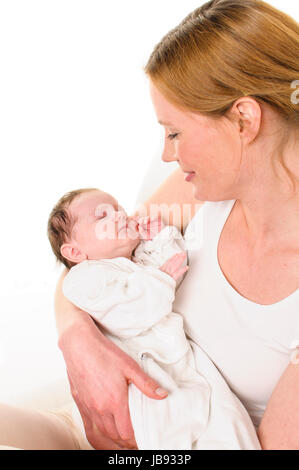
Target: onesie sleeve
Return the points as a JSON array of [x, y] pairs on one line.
[[124, 298]]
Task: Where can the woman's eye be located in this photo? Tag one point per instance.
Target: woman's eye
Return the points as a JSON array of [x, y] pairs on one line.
[[172, 136]]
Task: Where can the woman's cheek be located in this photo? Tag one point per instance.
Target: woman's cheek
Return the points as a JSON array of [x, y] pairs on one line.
[[190, 155]]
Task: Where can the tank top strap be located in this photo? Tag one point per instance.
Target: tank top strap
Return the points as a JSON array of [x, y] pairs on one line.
[[207, 224], [214, 218]]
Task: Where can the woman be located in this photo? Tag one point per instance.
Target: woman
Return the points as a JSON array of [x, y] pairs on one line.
[[221, 84]]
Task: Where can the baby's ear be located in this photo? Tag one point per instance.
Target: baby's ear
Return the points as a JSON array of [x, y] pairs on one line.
[[71, 253]]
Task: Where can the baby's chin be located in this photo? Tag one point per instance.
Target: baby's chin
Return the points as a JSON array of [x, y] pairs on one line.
[[123, 246], [133, 244]]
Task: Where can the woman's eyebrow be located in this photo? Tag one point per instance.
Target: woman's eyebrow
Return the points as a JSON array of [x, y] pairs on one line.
[[165, 123]]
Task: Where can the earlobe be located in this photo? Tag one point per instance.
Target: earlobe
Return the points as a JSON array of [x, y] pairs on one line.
[[72, 253], [249, 112]]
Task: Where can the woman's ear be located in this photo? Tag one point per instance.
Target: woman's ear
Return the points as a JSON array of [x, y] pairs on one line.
[[72, 253], [248, 113]]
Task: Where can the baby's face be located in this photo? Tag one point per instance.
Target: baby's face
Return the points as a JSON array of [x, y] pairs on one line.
[[102, 228]]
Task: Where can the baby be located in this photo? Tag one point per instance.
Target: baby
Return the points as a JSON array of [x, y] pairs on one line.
[[124, 272]]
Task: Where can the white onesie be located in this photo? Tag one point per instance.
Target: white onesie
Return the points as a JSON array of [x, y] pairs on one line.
[[132, 302]]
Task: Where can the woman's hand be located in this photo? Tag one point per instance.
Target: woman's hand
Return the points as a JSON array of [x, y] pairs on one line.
[[99, 374]]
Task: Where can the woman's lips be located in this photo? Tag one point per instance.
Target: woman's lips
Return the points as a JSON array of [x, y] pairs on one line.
[[189, 175]]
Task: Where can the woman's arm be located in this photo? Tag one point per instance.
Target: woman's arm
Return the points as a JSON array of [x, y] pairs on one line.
[[174, 200], [66, 314], [279, 428], [99, 374]]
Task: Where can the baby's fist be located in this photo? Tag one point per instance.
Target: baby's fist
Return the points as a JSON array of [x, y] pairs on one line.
[[149, 227], [172, 266]]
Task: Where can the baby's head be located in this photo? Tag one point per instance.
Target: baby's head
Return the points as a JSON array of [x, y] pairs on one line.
[[90, 224]]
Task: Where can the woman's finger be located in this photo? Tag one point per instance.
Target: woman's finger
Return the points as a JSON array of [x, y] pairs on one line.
[[107, 427], [124, 424], [125, 429], [84, 413], [97, 421], [146, 384], [72, 385], [102, 435], [99, 441], [96, 432], [110, 427]]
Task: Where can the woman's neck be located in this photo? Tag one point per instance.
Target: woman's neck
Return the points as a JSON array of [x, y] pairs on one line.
[[270, 207]]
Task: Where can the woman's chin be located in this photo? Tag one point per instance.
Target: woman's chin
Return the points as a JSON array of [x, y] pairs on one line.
[[209, 194], [198, 193]]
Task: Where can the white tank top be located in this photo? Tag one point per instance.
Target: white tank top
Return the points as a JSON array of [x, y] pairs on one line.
[[250, 344]]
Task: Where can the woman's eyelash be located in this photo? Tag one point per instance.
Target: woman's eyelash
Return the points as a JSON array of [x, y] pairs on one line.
[[172, 136]]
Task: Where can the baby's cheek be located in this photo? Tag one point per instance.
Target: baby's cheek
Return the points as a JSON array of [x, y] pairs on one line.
[[103, 230]]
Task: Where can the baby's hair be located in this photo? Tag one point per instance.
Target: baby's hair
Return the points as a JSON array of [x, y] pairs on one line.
[[60, 224]]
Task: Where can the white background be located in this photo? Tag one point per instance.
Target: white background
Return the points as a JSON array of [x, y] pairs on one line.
[[74, 112]]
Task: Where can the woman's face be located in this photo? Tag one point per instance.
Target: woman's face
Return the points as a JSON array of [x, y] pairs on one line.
[[208, 150]]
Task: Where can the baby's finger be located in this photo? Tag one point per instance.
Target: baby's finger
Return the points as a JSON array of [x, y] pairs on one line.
[[170, 265], [182, 254], [144, 220], [155, 220], [176, 260], [180, 272], [183, 270]]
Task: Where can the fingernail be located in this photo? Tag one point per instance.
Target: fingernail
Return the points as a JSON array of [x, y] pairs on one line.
[[161, 392]]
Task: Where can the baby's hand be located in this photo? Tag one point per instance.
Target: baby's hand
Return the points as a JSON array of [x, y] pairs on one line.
[[149, 227], [173, 265]]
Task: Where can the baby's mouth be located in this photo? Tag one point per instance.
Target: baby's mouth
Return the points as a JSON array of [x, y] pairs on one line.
[[130, 224], [123, 227]]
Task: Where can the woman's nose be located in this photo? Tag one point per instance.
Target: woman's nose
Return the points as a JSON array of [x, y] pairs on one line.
[[169, 153]]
